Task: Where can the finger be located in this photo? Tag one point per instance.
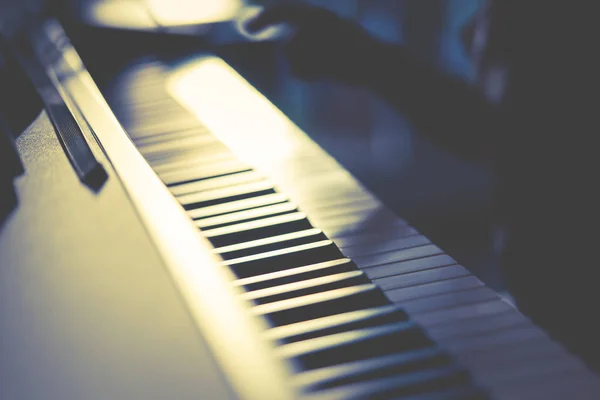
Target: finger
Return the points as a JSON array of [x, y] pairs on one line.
[[294, 14]]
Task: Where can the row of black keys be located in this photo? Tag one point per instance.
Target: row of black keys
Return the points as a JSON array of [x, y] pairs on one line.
[[339, 331], [325, 311]]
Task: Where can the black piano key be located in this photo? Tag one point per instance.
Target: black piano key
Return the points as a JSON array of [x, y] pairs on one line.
[[447, 382], [405, 267], [367, 238], [397, 256], [354, 345], [246, 215], [433, 289], [277, 260], [303, 288], [353, 320], [196, 173], [272, 243], [216, 183], [234, 193], [371, 369], [388, 246], [258, 229], [449, 300], [296, 274], [236, 206], [319, 305], [395, 283]]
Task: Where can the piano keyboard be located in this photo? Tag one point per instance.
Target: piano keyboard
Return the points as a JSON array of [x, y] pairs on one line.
[[357, 302]]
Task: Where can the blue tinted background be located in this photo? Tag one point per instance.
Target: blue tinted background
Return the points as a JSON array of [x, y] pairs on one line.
[[446, 198]]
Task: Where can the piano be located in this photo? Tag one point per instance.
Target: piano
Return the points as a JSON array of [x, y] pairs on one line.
[[224, 254]]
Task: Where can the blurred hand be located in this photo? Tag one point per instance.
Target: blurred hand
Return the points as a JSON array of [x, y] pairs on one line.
[[323, 45]]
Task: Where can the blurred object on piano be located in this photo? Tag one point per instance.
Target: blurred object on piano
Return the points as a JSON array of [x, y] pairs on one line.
[[324, 45], [269, 33], [173, 13], [171, 16], [212, 21]]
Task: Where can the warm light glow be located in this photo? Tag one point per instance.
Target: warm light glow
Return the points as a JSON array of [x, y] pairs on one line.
[[234, 111], [257, 131], [192, 12], [120, 13]]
